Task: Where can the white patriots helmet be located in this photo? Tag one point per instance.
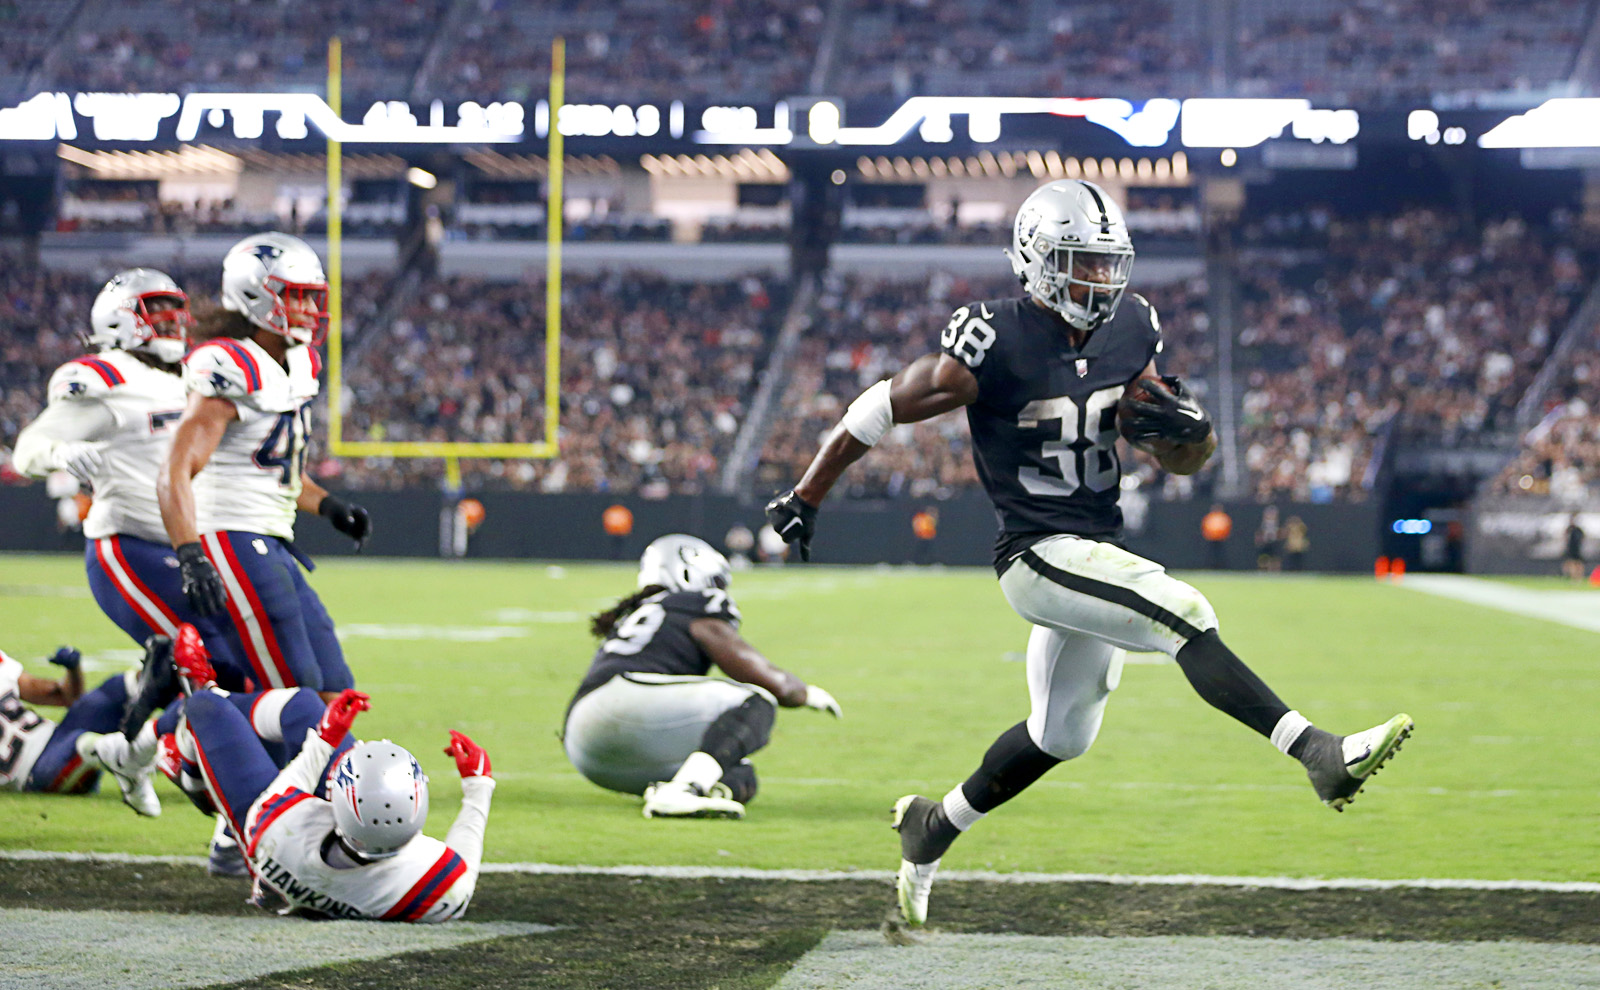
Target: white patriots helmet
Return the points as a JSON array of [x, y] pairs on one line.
[[122, 318], [265, 275], [380, 798], [1069, 235], [683, 563]]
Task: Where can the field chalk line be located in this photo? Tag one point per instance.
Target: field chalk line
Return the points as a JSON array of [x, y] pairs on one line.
[[981, 876]]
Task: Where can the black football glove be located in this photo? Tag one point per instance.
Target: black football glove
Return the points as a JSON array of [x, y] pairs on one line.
[[202, 585], [350, 519], [67, 657], [1171, 414], [795, 519]]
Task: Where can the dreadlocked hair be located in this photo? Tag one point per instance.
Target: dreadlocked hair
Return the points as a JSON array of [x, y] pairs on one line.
[[601, 623], [212, 322]]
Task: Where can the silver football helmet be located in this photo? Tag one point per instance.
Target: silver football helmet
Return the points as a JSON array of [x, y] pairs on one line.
[[276, 282], [1071, 249], [683, 563], [141, 310], [380, 798]]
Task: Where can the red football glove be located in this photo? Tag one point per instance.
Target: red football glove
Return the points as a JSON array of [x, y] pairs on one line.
[[341, 714], [471, 760]]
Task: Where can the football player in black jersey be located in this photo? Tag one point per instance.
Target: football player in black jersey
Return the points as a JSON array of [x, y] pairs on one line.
[[648, 720], [1048, 383]]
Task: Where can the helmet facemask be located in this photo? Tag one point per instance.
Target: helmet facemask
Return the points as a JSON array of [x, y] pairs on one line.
[[1071, 250], [1084, 286], [299, 310], [162, 333]]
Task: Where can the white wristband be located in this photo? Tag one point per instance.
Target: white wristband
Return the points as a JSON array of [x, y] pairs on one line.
[[871, 415]]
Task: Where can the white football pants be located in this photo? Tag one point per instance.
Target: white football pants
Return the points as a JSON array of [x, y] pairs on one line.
[[638, 728], [1088, 601]]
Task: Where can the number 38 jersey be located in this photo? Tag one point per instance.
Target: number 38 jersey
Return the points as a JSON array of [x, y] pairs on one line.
[[655, 639], [1044, 426], [254, 477]]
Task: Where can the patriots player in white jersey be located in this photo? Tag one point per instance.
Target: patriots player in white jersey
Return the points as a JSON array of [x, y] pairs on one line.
[[109, 422], [1049, 381], [235, 475], [37, 754], [337, 832]]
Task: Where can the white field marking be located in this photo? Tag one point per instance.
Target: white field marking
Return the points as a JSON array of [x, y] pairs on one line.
[[959, 876], [1579, 609], [865, 961], [144, 950], [529, 615], [454, 634], [44, 591]]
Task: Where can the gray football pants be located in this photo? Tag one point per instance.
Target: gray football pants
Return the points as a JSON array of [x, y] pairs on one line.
[[1088, 602], [636, 729]]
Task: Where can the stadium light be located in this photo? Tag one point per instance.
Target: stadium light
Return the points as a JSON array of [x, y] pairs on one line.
[[421, 178]]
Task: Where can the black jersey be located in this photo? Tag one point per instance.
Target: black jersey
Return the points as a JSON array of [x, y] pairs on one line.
[[1044, 426], [654, 638]]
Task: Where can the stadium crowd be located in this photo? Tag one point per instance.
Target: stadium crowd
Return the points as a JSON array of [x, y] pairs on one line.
[[1560, 456], [1421, 320], [1371, 51]]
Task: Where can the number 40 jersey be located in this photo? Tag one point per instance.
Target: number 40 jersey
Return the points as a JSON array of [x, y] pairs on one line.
[[254, 477], [1044, 426]]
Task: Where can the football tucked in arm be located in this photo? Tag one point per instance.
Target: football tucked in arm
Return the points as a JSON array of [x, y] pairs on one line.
[[1138, 391]]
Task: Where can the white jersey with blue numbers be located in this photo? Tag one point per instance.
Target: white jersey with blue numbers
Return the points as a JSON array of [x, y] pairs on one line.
[[129, 408], [254, 478]]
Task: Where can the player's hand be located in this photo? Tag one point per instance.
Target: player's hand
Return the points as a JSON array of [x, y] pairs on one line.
[[80, 458], [795, 520], [822, 701], [341, 714], [202, 585], [1170, 414], [67, 657], [471, 760], [348, 518]]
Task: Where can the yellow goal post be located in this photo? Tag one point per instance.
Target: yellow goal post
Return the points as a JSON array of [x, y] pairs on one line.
[[450, 449]]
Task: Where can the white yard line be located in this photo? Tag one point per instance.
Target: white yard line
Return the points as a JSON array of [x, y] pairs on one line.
[[985, 876], [1579, 609]]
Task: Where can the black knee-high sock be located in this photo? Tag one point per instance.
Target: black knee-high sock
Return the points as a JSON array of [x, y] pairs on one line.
[[739, 731], [742, 782], [1226, 684], [1009, 767]]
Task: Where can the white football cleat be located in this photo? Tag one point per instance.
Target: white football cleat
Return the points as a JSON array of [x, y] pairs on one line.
[[925, 834], [669, 799], [115, 756]]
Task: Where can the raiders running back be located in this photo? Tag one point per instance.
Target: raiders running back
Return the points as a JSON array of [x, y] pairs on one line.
[[655, 638], [1044, 426]]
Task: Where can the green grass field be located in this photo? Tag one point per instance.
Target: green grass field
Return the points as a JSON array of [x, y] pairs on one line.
[[1499, 782]]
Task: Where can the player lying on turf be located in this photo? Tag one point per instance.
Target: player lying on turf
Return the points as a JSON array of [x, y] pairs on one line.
[[279, 717], [359, 851], [647, 720], [37, 754], [1045, 380]]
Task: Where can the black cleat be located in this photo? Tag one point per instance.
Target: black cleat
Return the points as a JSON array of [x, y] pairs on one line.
[[1340, 765], [157, 686]]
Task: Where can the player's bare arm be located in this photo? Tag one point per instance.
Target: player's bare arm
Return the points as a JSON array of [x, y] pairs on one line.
[[744, 663], [347, 517], [929, 386], [199, 432], [1176, 456], [62, 693]]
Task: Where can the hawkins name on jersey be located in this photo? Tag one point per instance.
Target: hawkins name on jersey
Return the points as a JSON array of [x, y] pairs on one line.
[[255, 475], [144, 404], [1044, 426], [289, 833], [23, 732], [654, 638]]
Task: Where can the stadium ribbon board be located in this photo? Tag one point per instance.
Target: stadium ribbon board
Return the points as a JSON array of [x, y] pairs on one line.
[[450, 450]]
